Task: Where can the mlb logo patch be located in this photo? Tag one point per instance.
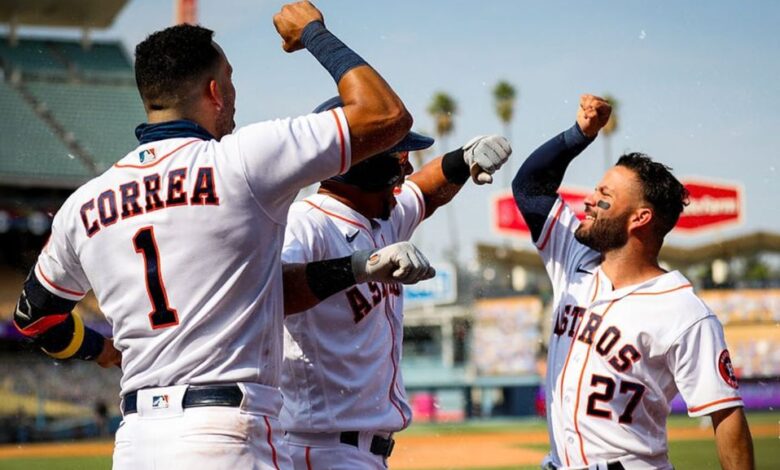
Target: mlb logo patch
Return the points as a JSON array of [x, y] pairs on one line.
[[159, 402], [147, 155]]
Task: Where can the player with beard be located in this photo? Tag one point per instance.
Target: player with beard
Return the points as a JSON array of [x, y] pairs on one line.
[[343, 391], [627, 335]]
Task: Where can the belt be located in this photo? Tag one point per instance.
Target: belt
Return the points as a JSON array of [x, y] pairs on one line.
[[610, 466], [379, 445], [195, 396]]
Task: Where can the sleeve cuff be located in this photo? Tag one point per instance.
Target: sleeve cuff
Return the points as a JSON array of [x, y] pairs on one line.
[[573, 137], [711, 407]]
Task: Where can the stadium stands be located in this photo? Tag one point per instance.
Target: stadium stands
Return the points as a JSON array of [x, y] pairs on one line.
[[101, 117], [32, 56], [70, 111], [29, 150]]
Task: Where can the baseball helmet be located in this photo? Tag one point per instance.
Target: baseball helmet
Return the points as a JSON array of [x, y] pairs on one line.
[[382, 170]]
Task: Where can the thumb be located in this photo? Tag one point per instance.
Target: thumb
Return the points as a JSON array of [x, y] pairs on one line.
[[483, 178]]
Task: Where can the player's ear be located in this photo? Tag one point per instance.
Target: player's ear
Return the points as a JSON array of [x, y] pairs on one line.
[[215, 94], [641, 218]]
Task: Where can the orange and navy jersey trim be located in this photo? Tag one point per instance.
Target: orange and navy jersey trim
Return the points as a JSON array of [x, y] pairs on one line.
[[269, 431], [696, 409], [343, 219], [551, 227], [155, 162], [55, 286], [342, 143]]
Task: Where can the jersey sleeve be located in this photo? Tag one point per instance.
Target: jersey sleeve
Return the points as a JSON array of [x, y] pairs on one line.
[[58, 268], [702, 368], [409, 211], [280, 157], [560, 251], [302, 242]]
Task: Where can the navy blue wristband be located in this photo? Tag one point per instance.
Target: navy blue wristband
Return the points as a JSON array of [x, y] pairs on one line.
[[454, 167], [334, 55]]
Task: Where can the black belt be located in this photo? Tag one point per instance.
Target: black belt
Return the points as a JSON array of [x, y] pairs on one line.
[[195, 396], [379, 445], [610, 466]]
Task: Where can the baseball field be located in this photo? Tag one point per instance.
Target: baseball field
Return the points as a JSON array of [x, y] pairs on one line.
[[483, 445]]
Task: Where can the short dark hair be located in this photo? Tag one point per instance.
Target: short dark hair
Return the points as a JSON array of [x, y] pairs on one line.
[[667, 196], [169, 60]]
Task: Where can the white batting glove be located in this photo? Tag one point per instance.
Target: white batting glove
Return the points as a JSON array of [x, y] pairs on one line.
[[484, 155], [399, 262]]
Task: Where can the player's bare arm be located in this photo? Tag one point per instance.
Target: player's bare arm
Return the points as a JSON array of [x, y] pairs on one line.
[[440, 179], [376, 115], [535, 187], [732, 437], [307, 284], [109, 356]]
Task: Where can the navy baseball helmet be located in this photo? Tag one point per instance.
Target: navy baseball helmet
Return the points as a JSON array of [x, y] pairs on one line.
[[412, 141], [380, 171]]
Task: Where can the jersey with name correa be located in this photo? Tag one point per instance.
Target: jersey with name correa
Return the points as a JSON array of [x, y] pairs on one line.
[[180, 241]]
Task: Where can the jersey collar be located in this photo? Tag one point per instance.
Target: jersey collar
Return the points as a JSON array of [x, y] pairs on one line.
[[147, 133], [666, 282]]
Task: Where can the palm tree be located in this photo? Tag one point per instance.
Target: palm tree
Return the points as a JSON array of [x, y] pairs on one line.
[[443, 109], [504, 95], [609, 129]]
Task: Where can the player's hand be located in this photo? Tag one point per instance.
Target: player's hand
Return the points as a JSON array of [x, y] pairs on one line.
[[109, 356], [291, 20], [399, 262], [485, 155], [593, 114]]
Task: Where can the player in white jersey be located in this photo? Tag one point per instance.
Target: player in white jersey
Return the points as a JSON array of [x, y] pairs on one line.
[[344, 396], [180, 241], [627, 335]]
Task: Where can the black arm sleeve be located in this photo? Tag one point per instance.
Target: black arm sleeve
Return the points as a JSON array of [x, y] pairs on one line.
[[46, 321], [325, 278], [535, 186]]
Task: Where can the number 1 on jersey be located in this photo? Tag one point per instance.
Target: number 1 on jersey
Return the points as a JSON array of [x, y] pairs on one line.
[[162, 315]]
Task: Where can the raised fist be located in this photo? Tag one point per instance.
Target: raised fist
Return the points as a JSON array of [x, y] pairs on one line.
[[399, 262], [485, 155], [593, 114], [291, 20]]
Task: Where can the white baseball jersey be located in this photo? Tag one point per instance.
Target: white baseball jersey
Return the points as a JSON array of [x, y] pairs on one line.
[[181, 241], [618, 357], [342, 358]]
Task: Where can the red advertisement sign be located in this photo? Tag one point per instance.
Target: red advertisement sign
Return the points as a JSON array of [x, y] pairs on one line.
[[508, 220], [711, 206]]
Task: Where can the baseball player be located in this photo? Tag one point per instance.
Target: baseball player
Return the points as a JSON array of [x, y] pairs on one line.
[[343, 392], [627, 335], [180, 241]]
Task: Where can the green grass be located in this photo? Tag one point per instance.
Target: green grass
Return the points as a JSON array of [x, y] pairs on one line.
[[685, 455], [59, 463]]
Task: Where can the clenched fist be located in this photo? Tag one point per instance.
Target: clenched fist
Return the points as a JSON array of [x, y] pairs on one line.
[[291, 20], [484, 155], [399, 262], [593, 114]]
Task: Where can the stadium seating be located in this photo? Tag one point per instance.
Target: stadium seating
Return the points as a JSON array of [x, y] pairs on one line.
[[101, 117], [100, 60], [28, 148], [32, 55]]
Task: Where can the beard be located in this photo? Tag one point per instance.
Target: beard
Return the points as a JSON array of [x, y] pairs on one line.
[[604, 234]]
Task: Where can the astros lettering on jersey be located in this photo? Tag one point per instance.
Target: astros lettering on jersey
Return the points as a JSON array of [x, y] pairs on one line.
[[342, 357], [618, 357]]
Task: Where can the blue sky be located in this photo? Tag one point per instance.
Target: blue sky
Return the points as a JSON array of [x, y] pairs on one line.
[[697, 81]]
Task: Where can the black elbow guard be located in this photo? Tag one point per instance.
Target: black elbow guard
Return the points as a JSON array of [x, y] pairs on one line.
[[46, 320]]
